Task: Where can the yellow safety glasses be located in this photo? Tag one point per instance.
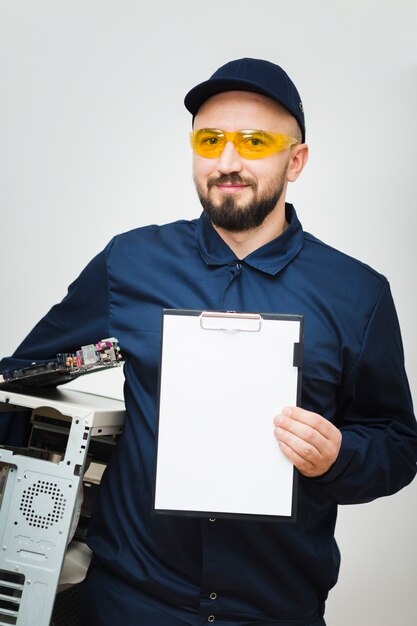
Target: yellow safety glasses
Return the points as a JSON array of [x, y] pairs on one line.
[[250, 144]]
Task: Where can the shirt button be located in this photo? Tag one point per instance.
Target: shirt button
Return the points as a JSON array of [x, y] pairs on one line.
[[213, 596], [211, 618], [212, 519]]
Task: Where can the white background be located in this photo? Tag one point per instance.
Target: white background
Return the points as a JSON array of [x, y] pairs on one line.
[[93, 141]]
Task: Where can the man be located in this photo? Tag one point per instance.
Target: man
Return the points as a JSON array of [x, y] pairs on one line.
[[354, 436]]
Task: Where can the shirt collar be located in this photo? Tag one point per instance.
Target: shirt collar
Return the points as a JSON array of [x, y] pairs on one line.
[[270, 258]]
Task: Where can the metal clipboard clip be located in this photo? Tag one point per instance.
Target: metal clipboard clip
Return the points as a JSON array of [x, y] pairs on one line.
[[231, 322]]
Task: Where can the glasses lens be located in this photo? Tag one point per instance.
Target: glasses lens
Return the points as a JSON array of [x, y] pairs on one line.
[[208, 142], [257, 144]]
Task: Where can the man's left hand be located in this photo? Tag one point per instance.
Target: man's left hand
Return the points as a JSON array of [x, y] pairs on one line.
[[309, 440]]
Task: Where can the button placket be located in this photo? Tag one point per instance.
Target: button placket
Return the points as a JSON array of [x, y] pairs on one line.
[[235, 271], [209, 592]]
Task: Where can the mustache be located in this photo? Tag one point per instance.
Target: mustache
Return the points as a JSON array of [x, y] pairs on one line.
[[230, 179]]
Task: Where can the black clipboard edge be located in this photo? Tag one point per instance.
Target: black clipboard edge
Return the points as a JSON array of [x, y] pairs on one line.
[[223, 515]]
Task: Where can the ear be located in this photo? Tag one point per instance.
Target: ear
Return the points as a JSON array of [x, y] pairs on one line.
[[298, 159]]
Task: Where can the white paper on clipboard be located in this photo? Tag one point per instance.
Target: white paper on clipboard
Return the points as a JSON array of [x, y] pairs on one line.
[[224, 376]]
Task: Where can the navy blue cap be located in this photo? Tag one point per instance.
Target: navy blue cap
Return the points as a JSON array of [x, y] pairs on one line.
[[255, 75]]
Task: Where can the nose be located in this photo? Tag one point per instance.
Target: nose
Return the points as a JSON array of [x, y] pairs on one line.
[[229, 161]]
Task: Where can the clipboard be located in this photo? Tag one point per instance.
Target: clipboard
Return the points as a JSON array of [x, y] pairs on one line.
[[223, 378]]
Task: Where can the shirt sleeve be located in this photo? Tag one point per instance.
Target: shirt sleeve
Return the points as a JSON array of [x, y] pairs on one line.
[[379, 433], [81, 318]]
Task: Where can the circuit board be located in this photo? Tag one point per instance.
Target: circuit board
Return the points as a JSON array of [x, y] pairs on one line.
[[65, 366]]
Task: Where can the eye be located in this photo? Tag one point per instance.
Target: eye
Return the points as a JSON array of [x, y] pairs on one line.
[[254, 142], [209, 138]]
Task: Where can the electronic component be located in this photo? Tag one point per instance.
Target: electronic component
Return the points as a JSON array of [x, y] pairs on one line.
[[65, 366], [47, 492]]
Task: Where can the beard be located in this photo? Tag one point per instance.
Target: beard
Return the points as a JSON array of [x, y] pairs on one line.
[[233, 216]]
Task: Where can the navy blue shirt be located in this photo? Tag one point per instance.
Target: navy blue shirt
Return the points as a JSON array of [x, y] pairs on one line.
[[245, 571]]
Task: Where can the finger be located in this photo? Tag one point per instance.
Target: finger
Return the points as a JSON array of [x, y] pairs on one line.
[[305, 467], [303, 431], [314, 420], [302, 448]]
